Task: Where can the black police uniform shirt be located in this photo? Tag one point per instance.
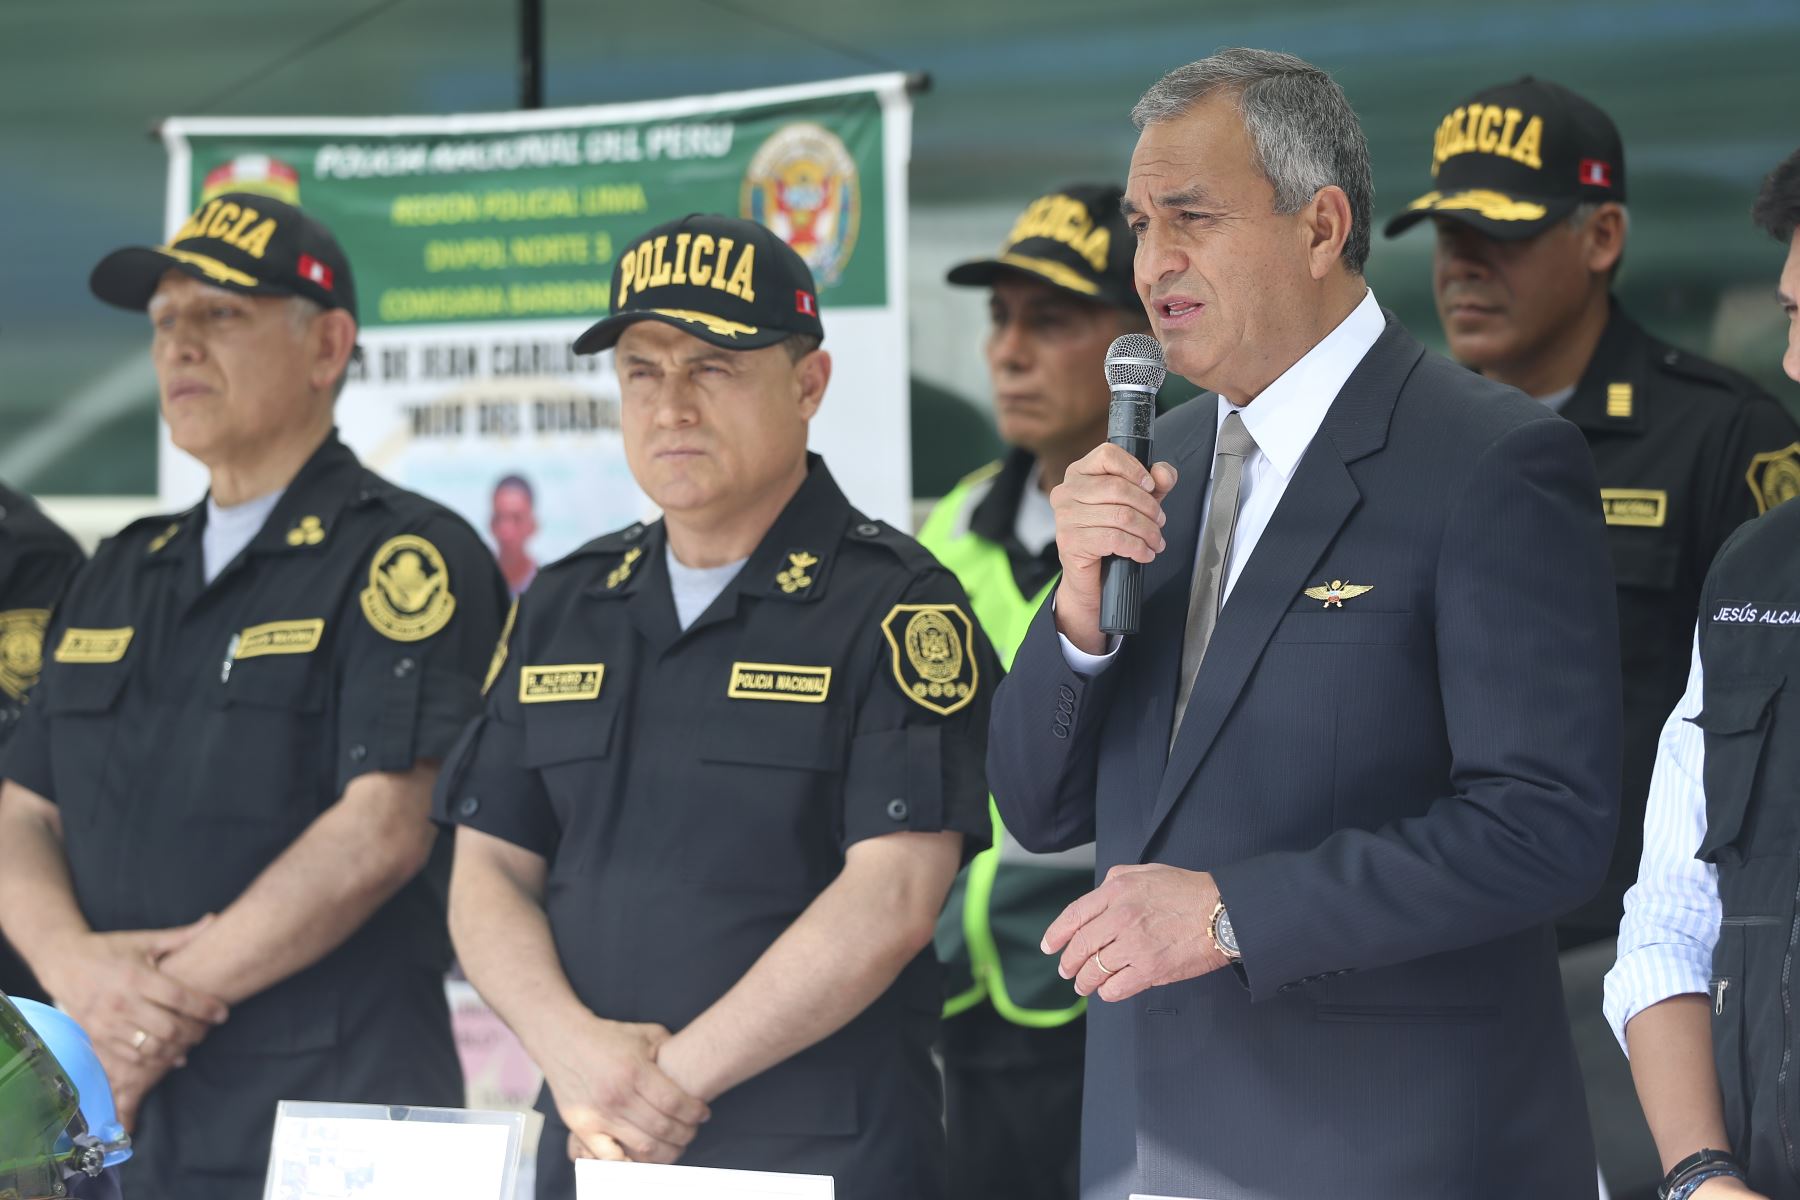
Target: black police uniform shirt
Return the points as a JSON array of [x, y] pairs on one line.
[[1686, 451], [694, 791], [37, 559], [188, 733]]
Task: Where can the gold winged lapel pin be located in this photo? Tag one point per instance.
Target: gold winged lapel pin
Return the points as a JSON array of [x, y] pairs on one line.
[[1337, 591]]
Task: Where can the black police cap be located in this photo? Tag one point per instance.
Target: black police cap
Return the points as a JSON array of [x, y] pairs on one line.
[[242, 242], [1074, 239], [1513, 160], [725, 280]]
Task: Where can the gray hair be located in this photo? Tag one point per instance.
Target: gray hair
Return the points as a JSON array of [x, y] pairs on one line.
[[1305, 134], [1584, 212], [302, 311]]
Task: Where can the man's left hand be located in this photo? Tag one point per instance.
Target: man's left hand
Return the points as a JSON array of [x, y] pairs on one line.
[[131, 1081], [1144, 926]]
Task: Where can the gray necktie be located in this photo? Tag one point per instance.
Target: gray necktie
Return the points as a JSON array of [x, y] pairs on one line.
[[1235, 445]]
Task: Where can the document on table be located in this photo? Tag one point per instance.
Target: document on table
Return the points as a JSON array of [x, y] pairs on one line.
[[382, 1152]]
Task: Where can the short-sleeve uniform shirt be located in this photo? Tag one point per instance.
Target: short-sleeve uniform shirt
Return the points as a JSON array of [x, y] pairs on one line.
[[694, 791], [188, 732]]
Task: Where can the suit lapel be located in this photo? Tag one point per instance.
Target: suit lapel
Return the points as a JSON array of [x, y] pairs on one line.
[[1318, 500]]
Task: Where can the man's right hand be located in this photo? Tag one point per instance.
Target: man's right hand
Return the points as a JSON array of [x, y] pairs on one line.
[[110, 984], [1107, 504], [608, 1088]]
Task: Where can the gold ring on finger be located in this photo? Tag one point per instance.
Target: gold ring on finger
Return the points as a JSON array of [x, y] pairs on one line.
[[138, 1039], [1100, 964]]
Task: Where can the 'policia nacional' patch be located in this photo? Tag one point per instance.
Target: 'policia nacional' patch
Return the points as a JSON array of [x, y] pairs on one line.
[[1775, 477], [563, 681], [408, 598], [280, 637], [1646, 507], [779, 681], [932, 660], [93, 645], [21, 649]]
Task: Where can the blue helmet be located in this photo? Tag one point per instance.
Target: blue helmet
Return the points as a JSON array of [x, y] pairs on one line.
[[56, 1108]]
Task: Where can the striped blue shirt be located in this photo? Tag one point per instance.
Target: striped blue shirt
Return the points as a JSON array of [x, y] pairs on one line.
[[1672, 912]]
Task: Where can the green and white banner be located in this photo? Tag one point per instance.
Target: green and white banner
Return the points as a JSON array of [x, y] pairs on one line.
[[482, 244]]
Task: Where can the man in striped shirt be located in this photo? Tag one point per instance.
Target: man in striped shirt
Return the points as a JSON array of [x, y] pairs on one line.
[[1699, 996]]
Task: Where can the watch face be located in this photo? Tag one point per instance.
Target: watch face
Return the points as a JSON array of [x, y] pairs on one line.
[[1226, 935]]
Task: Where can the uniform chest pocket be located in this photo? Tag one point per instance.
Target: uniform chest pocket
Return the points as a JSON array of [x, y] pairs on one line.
[[291, 683], [267, 746], [82, 702], [783, 734], [1736, 718], [1330, 626]]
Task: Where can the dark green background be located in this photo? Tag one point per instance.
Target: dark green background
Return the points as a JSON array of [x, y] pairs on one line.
[[1028, 94]]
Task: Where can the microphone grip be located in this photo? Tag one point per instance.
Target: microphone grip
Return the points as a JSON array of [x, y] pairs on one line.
[[1122, 579]]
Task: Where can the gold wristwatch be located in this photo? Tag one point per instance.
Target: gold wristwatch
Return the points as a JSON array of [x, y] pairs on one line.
[[1223, 935]]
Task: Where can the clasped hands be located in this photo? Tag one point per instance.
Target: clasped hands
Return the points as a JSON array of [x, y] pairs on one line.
[[141, 1020], [624, 1092], [1144, 926]]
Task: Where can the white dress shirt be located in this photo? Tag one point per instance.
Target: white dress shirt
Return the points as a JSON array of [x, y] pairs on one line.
[[1282, 420], [1672, 912]]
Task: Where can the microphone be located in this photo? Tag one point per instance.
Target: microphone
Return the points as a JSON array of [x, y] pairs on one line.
[[1134, 373]]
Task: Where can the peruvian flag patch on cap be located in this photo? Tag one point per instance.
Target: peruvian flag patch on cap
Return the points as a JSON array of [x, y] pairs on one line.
[[805, 303], [311, 268], [1596, 173]]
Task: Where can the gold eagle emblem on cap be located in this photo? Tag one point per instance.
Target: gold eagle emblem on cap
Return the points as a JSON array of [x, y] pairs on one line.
[[408, 598], [1337, 591]]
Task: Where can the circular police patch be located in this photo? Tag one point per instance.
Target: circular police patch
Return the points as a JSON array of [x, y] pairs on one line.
[[803, 185], [931, 658], [21, 649], [408, 597]]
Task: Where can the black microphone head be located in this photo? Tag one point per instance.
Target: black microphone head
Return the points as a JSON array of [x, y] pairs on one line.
[[1135, 361]]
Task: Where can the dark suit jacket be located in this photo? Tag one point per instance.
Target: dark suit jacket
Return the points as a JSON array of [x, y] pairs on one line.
[[1396, 798]]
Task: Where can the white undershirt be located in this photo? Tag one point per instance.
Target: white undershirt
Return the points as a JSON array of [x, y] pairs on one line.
[[1035, 525], [1283, 420], [695, 588], [229, 530]]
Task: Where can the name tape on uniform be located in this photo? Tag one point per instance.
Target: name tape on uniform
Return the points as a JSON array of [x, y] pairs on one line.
[[281, 637], [1646, 507], [93, 645], [561, 681], [779, 681]]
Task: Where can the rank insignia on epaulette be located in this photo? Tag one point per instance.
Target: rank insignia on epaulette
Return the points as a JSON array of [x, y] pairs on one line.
[[794, 578], [933, 657], [307, 531], [21, 649], [1618, 400], [622, 572], [1775, 477], [164, 538]]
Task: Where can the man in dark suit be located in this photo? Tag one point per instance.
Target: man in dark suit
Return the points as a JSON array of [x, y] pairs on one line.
[[1364, 749]]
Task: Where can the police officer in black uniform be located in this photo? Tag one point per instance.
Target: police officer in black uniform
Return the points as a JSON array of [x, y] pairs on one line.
[[36, 561], [219, 797], [1528, 201], [730, 764]]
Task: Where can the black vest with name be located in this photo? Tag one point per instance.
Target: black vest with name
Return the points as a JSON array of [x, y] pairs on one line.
[[1750, 657]]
